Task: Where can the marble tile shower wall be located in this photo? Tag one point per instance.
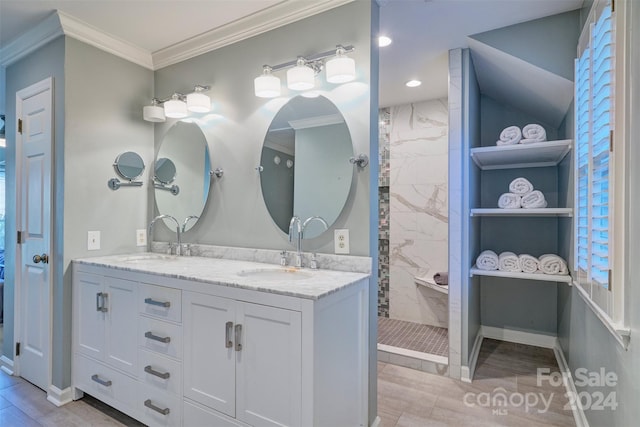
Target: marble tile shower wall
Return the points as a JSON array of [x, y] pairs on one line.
[[383, 227], [418, 193]]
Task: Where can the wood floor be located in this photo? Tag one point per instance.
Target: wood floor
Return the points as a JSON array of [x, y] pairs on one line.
[[406, 397]]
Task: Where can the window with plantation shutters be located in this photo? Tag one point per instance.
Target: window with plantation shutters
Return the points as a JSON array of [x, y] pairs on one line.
[[594, 79]]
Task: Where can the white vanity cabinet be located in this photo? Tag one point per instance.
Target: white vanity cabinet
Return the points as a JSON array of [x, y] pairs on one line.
[[243, 359], [221, 351]]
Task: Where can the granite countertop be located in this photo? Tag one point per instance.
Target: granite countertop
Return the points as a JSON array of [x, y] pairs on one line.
[[301, 283]]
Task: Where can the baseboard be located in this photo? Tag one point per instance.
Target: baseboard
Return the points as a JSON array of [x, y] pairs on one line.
[[376, 422], [466, 372], [6, 365], [578, 414], [519, 337], [59, 397]]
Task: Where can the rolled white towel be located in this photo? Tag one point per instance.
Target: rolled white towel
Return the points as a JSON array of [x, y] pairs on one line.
[[487, 260], [510, 201], [509, 136], [520, 186], [508, 261], [533, 133], [528, 263], [534, 200], [553, 264]]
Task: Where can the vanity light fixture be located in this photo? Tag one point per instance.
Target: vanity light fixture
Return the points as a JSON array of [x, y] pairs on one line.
[[341, 69], [178, 105], [267, 85], [301, 73]]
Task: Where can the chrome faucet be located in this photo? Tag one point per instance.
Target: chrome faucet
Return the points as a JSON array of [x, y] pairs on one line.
[[186, 221], [296, 220], [311, 219], [150, 232]]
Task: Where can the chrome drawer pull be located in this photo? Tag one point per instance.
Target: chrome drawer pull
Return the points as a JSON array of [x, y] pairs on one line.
[[228, 343], [151, 336], [238, 337], [96, 378], [151, 301], [150, 405], [100, 302], [149, 370]]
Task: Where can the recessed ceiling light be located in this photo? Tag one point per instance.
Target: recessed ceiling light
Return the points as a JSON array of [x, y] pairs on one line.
[[413, 83], [384, 41]]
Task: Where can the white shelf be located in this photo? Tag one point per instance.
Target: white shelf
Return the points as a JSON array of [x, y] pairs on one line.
[[519, 275], [431, 285], [538, 154], [522, 212]]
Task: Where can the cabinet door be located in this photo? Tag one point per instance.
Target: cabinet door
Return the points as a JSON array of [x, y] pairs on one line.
[[89, 321], [122, 316], [209, 360], [269, 366]]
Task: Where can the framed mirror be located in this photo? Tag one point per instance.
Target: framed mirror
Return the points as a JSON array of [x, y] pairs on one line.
[[129, 165], [182, 166], [305, 163]]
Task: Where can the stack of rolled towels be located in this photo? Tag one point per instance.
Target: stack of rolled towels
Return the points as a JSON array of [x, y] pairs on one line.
[[522, 195], [529, 134], [510, 262]]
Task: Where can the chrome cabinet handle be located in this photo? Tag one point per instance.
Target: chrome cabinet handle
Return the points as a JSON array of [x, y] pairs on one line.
[[238, 337], [151, 301], [96, 378], [154, 337], [100, 302], [227, 335], [150, 405], [149, 370]]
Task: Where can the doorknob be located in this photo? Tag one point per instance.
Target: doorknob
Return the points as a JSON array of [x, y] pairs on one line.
[[44, 258]]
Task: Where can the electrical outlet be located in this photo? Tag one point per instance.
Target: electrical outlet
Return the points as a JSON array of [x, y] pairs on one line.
[[341, 241], [93, 240], [141, 237]]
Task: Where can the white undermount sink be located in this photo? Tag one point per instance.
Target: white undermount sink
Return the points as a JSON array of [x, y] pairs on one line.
[[148, 256], [283, 274]]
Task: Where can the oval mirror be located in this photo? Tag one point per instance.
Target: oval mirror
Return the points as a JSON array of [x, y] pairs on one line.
[[305, 164], [129, 165], [182, 178]]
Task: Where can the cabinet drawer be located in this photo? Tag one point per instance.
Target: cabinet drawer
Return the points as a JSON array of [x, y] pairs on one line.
[[158, 407], [160, 337], [104, 383], [160, 372], [161, 302], [197, 415]]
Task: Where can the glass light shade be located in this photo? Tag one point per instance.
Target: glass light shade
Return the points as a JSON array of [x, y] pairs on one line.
[[301, 77], [341, 69], [267, 86], [153, 113], [198, 102], [175, 108]]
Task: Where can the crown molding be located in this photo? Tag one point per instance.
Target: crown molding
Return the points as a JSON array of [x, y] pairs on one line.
[[84, 32], [60, 23], [31, 40], [283, 13]]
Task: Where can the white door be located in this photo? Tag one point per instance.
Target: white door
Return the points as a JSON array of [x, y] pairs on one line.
[[88, 300], [33, 286], [209, 351], [269, 366]]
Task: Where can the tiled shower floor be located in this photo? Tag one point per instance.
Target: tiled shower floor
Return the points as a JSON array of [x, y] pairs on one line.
[[413, 336]]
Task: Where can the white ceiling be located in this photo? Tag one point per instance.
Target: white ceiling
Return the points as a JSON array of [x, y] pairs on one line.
[[422, 30]]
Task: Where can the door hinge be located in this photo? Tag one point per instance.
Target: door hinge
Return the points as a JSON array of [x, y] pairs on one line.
[[611, 141], [613, 5], [19, 125], [17, 349], [20, 237], [609, 284]]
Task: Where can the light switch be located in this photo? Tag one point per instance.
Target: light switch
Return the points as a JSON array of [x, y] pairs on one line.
[[141, 237], [93, 240]]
